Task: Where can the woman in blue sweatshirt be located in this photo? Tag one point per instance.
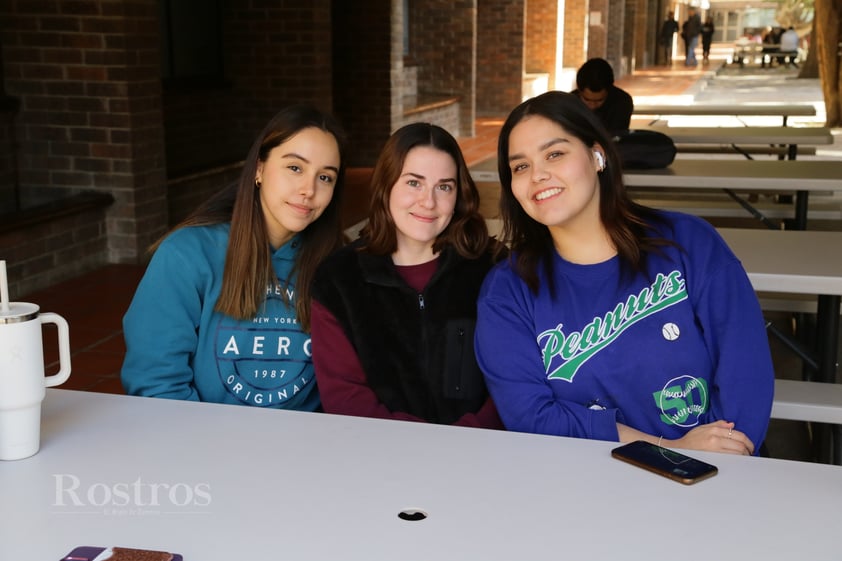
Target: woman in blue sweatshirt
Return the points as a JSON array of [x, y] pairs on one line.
[[611, 320], [222, 313]]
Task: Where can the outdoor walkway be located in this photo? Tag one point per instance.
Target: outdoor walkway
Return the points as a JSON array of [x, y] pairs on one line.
[[660, 82]]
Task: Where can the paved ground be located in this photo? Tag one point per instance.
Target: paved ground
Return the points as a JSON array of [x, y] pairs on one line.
[[727, 83]]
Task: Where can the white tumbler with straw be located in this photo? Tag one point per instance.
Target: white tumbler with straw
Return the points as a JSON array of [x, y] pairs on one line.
[[22, 379]]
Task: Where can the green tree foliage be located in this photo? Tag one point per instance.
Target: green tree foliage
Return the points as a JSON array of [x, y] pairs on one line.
[[796, 13]]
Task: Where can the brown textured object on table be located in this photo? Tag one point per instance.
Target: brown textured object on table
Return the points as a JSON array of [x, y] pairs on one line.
[[127, 554]]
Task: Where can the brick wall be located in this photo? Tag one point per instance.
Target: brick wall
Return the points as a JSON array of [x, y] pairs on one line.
[[93, 113], [500, 55], [88, 80], [629, 54], [642, 22], [598, 34], [443, 40], [445, 114], [186, 192], [575, 38], [541, 37], [646, 30], [8, 165], [614, 43], [363, 46], [45, 247], [275, 54]]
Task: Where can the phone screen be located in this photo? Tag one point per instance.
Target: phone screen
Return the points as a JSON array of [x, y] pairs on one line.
[[664, 461]]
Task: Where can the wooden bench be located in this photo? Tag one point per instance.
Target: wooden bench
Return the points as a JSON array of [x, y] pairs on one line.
[[817, 402]]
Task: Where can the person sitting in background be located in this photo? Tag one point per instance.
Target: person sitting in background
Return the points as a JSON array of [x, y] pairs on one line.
[[223, 310], [771, 45], [611, 320], [394, 312], [789, 46], [595, 86]]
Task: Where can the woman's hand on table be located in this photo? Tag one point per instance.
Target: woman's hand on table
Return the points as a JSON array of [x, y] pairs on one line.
[[719, 436]]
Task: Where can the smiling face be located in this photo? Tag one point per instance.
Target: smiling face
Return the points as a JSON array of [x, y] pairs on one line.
[[296, 182], [422, 202], [554, 175]]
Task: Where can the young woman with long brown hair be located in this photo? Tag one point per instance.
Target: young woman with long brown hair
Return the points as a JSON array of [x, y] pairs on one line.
[[394, 313], [223, 311], [611, 320]]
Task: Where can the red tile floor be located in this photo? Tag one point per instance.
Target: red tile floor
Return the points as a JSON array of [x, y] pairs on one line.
[[94, 303]]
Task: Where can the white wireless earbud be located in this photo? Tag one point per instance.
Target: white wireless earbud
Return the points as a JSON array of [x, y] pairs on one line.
[[600, 159]]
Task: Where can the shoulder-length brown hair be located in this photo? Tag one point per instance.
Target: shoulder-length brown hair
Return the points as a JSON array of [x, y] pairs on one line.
[[632, 227], [466, 232], [248, 263]]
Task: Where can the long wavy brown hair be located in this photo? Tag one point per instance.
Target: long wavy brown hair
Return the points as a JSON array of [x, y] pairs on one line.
[[248, 264], [466, 232], [633, 228]]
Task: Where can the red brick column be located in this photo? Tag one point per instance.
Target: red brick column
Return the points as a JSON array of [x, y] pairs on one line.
[[542, 37], [87, 74], [500, 55]]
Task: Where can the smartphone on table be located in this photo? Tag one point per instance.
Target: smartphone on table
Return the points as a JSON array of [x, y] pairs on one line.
[[665, 462]]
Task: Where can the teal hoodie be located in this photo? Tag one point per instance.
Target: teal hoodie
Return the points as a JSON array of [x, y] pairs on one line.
[[179, 347]]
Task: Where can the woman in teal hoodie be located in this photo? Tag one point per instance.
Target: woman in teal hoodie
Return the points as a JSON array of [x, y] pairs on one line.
[[222, 313]]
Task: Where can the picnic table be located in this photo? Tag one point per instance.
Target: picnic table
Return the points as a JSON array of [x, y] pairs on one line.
[[737, 137], [783, 110]]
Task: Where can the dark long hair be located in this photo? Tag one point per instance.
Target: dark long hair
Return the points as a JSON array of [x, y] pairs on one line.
[[248, 264], [466, 232], [631, 227]]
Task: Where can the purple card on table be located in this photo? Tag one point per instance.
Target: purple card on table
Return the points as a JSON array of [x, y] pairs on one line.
[[86, 553]]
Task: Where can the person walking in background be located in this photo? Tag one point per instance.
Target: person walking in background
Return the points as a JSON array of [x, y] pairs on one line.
[[394, 312], [222, 313], [595, 86], [690, 31], [611, 320], [707, 36], [667, 35]]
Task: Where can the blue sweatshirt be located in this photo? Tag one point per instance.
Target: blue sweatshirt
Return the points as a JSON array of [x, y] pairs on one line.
[[681, 345], [178, 347]]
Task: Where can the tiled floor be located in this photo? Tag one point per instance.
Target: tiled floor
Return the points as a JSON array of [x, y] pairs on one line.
[[94, 303]]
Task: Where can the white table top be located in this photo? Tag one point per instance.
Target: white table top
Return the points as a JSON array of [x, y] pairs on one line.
[[746, 135], [792, 261], [309, 486], [747, 109]]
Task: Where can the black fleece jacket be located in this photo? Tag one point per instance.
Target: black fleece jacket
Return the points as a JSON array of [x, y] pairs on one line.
[[416, 349]]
